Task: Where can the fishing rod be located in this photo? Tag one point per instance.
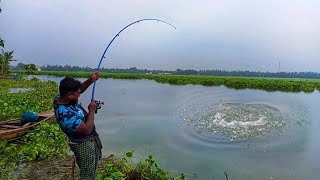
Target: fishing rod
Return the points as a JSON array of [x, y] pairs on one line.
[[99, 103]]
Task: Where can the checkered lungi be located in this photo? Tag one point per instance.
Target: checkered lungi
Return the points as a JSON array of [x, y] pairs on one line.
[[87, 154]]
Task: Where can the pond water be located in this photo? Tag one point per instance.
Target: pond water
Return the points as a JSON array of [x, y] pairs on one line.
[[20, 90], [205, 131]]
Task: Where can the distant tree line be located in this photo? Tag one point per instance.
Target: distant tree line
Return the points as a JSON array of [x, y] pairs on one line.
[[311, 75]]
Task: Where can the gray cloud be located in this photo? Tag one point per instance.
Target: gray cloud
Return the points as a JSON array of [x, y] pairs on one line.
[[232, 35]]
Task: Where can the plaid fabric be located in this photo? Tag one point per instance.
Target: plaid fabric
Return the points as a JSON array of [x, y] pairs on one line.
[[87, 154]]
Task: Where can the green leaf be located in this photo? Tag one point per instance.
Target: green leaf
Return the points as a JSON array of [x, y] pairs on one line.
[[150, 157], [117, 174], [129, 154], [1, 41]]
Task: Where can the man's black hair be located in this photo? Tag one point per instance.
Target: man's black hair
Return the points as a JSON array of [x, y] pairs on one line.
[[68, 84]]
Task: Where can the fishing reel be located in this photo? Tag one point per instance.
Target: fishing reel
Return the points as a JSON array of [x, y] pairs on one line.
[[99, 103]]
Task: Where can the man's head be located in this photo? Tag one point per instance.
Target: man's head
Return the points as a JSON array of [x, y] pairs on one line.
[[70, 89]]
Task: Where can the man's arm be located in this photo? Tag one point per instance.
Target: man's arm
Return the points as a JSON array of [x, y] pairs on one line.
[[89, 81], [86, 127]]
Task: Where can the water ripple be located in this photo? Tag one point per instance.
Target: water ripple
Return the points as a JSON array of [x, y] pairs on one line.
[[237, 121]]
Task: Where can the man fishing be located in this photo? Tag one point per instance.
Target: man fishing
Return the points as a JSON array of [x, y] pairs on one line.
[[78, 124]]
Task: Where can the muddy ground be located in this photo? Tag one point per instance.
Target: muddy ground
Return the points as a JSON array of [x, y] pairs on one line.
[[56, 169]]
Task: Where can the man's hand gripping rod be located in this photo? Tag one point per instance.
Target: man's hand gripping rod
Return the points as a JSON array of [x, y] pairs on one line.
[[98, 105]]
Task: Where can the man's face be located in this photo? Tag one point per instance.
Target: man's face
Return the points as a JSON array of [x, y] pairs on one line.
[[74, 96]]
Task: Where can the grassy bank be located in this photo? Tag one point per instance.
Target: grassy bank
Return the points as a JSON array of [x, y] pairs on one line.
[[46, 146]]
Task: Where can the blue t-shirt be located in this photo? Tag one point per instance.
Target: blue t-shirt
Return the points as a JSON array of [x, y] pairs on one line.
[[69, 117]]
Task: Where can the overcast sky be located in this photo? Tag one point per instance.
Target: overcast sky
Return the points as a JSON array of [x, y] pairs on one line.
[[210, 34]]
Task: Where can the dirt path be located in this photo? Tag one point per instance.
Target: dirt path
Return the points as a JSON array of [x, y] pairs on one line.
[[56, 169]]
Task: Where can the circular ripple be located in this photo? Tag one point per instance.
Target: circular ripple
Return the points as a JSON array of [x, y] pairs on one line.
[[213, 116], [237, 121]]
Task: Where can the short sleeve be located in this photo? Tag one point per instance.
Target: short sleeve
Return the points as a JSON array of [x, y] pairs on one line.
[[70, 121]]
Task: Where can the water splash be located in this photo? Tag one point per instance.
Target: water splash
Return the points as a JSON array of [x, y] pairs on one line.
[[220, 121], [237, 121], [221, 116]]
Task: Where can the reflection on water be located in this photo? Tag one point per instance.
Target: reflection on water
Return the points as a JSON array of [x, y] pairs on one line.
[[189, 129]]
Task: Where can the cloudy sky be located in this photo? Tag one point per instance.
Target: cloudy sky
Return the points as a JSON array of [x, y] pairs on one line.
[[210, 34]]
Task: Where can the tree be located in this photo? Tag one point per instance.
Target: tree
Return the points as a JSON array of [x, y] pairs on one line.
[[5, 58], [20, 66], [30, 68], [1, 42]]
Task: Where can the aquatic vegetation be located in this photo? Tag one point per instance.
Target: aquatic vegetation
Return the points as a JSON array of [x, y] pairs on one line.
[[45, 142], [124, 168], [38, 97], [267, 84]]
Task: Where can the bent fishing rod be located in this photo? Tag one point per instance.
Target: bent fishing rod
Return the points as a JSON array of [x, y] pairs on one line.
[[99, 103]]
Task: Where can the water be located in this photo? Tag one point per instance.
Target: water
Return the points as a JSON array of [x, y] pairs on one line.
[[20, 90], [204, 131]]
